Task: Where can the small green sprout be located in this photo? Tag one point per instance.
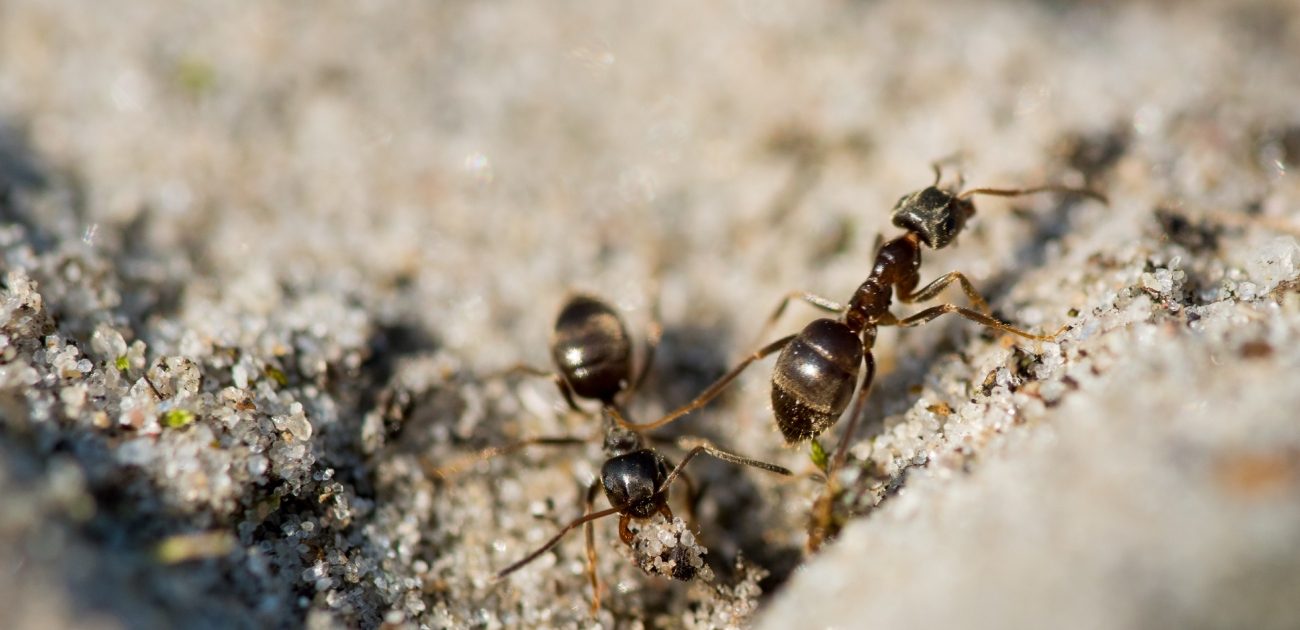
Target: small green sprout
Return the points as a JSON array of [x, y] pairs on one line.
[[122, 363], [196, 546], [177, 418], [819, 457], [277, 376], [196, 77]]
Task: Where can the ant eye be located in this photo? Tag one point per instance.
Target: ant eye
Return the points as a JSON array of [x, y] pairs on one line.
[[949, 224]]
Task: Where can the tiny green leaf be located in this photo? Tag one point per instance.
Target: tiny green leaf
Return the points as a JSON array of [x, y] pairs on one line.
[[177, 418], [122, 363], [277, 376], [196, 546], [196, 77]]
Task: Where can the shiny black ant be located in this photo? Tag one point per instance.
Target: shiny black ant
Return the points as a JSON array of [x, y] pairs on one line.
[[592, 352], [817, 370]]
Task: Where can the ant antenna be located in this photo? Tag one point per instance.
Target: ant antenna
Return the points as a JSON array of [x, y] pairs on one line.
[[708, 394], [937, 167], [653, 335], [575, 523], [463, 463], [1017, 192]]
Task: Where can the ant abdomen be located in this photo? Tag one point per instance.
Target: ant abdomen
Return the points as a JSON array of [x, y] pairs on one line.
[[592, 349], [814, 378]]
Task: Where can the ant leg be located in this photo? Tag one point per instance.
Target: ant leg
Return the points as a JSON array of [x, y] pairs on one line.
[[688, 443], [459, 466], [980, 318], [704, 446], [830, 306], [567, 392], [708, 394], [859, 406], [577, 522], [589, 531], [810, 156], [1019, 192], [528, 370], [518, 369], [951, 158], [929, 291], [692, 499], [654, 332], [623, 531]]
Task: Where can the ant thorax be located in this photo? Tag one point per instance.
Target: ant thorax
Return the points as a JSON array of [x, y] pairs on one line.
[[618, 441]]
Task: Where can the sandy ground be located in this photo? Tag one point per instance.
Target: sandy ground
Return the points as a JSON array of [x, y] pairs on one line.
[[262, 265]]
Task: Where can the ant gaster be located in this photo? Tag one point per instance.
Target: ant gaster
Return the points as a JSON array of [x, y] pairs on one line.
[[817, 369], [592, 352]]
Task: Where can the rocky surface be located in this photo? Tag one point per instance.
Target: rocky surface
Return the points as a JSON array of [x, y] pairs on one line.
[[262, 267]]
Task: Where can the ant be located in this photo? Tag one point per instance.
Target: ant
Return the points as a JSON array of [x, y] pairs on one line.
[[817, 370], [592, 352]]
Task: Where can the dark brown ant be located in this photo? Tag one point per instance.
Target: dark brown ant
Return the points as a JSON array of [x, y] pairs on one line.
[[592, 352], [817, 371]]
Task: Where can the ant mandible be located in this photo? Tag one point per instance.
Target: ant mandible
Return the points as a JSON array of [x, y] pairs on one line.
[[592, 352], [817, 370]]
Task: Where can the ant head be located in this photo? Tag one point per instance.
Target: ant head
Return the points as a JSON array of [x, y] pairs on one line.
[[935, 215], [632, 481], [592, 349]]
